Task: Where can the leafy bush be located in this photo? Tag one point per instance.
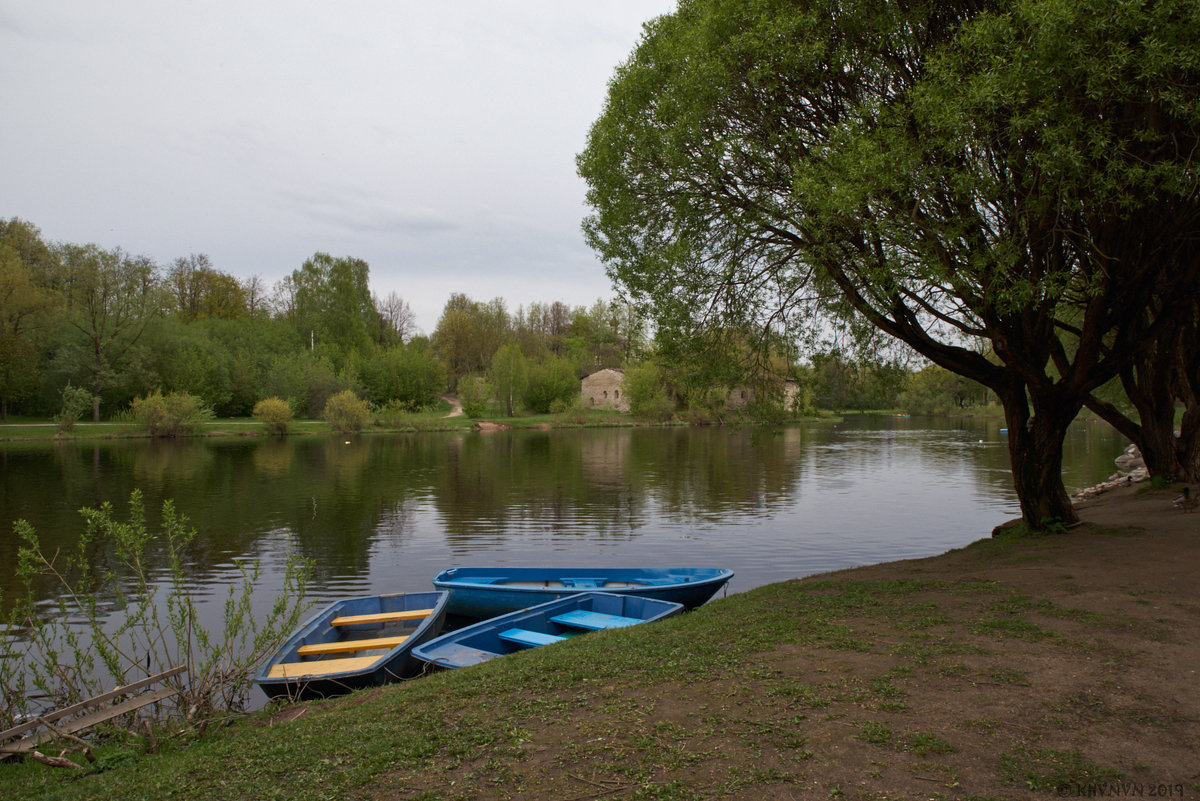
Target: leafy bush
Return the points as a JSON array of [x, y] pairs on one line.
[[346, 412], [643, 386], [391, 414], [546, 383], [274, 413], [75, 401], [408, 377], [572, 411], [171, 415], [509, 375], [473, 394]]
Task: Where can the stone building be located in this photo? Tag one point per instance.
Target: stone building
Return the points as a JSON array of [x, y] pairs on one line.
[[603, 388]]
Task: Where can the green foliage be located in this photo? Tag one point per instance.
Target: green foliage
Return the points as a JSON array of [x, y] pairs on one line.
[[573, 411], [407, 376], [126, 609], [346, 412], [173, 415], [333, 304], [473, 393], [936, 390], [552, 381], [189, 359], [112, 299], [198, 291], [510, 375], [76, 401], [391, 414], [274, 413], [647, 395], [841, 382], [469, 333]]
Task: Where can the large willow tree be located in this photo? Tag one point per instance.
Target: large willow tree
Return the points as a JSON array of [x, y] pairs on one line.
[[1012, 177]]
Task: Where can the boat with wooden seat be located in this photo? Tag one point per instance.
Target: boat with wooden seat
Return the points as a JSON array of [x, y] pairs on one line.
[[354, 643], [482, 592], [544, 624]]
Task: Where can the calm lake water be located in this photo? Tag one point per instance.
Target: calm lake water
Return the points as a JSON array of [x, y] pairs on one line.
[[386, 513]]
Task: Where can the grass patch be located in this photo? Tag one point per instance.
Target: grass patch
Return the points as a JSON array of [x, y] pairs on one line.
[[874, 733], [1002, 674], [1048, 769]]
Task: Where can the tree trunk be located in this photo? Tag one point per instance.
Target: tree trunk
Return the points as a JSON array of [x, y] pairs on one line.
[[1035, 445], [1187, 447]]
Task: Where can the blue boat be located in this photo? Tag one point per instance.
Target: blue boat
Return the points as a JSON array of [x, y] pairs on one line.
[[482, 592], [355, 643], [540, 625]]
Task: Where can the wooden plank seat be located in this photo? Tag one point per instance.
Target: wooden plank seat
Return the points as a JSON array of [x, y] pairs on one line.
[[349, 646], [320, 667], [531, 639], [382, 617], [594, 621]]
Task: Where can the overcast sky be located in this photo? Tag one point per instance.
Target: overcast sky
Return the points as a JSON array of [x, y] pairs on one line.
[[434, 140]]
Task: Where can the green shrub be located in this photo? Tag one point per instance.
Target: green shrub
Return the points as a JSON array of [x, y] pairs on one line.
[[346, 412], [274, 413], [473, 394], [572, 411], [647, 395], [173, 415], [112, 626], [392, 414], [75, 401], [555, 380]]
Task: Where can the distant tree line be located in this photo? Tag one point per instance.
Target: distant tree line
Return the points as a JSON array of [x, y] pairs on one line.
[[120, 328]]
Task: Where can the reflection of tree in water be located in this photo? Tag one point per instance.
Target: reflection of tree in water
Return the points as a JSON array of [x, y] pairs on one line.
[[273, 458], [607, 482], [167, 462], [703, 475]]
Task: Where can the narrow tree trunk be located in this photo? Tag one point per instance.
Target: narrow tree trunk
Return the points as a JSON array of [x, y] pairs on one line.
[[1187, 447]]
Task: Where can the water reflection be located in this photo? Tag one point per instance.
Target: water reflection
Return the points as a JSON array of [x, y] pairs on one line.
[[383, 513]]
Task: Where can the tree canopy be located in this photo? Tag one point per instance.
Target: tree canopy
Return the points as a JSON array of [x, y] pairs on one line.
[[1012, 176]]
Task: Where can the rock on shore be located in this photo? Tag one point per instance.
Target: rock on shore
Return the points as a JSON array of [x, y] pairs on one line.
[[1131, 468]]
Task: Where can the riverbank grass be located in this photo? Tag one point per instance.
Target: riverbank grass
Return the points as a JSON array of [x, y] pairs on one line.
[[1045, 667], [434, 420]]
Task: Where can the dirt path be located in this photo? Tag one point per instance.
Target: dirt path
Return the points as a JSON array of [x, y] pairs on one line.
[[456, 406]]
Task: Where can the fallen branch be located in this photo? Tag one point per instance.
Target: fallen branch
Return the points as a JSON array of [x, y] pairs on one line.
[[66, 735], [59, 761]]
